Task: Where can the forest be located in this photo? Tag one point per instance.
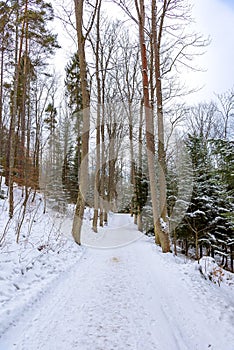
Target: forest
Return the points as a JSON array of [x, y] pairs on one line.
[[114, 131]]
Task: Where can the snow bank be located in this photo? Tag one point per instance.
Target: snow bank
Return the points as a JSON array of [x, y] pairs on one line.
[[213, 272], [45, 250]]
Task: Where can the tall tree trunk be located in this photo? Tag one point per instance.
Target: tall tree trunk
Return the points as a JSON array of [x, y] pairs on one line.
[[150, 142], [231, 257], [111, 179], [103, 203], [97, 173], [175, 241], [11, 140], [22, 160], [102, 176], [36, 155], [140, 166], [133, 165], [161, 148], [1, 107], [196, 246], [140, 138], [83, 179]]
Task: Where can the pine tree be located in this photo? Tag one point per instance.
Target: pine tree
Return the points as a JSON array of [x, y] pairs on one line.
[[74, 96], [205, 224], [33, 44], [223, 153], [50, 120], [140, 196]]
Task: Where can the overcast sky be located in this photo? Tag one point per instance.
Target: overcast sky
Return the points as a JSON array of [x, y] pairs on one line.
[[215, 18]]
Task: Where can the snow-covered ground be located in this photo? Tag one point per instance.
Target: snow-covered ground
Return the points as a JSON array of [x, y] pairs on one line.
[[126, 296], [132, 297]]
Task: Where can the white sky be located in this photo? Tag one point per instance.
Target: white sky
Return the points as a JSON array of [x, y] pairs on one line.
[[214, 18]]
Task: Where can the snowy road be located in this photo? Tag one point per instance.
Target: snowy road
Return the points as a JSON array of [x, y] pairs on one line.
[[132, 297]]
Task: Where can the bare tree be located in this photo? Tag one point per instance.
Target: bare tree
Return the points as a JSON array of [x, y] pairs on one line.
[[161, 236], [81, 38], [226, 108], [98, 127], [128, 81], [103, 42], [203, 121]]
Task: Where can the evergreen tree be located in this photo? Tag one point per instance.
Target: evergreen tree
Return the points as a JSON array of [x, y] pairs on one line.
[[73, 93], [50, 120], [140, 196], [223, 153], [205, 223], [72, 85], [32, 44], [179, 191]]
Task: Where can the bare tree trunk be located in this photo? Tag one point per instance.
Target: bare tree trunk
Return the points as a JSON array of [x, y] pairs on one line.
[[2, 49], [97, 173], [133, 179], [175, 241], [22, 107], [111, 163], [161, 148], [196, 245], [150, 142], [22, 122], [133, 166], [11, 140], [139, 221], [22, 216], [201, 251], [36, 155], [140, 168], [103, 203], [1, 105], [83, 180], [26, 171], [231, 256], [105, 217], [102, 177]]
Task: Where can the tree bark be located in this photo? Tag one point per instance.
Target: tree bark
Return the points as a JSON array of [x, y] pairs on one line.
[[11, 140], [83, 178], [1, 104], [150, 141], [98, 129], [140, 167], [231, 256], [160, 122], [102, 179], [196, 246]]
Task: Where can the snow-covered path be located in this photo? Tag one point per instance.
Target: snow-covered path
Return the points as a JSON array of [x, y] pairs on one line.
[[132, 297]]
